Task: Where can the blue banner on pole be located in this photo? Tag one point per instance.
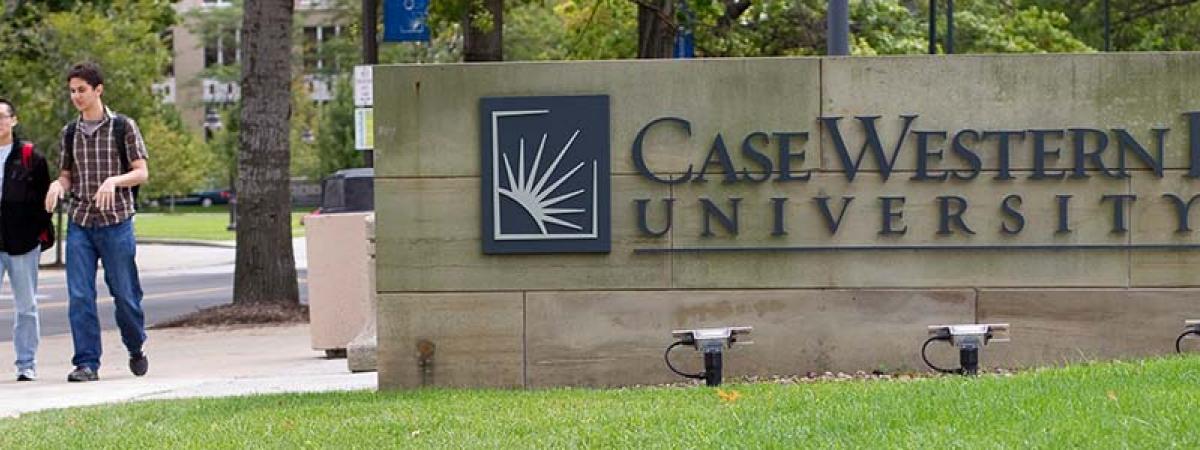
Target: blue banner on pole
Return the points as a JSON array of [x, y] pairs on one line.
[[685, 41], [404, 21], [685, 44]]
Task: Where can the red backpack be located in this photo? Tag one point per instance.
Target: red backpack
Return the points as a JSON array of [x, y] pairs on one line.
[[46, 237]]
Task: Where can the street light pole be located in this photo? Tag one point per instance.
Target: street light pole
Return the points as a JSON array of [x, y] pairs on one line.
[[1107, 28], [370, 53], [949, 27], [837, 22], [932, 27]]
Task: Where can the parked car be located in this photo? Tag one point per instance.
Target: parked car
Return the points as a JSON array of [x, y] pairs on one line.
[[205, 199]]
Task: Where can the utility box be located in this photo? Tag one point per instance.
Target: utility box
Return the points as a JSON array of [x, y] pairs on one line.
[[340, 278]]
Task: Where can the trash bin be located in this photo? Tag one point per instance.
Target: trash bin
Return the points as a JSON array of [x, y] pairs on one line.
[[348, 190], [340, 266]]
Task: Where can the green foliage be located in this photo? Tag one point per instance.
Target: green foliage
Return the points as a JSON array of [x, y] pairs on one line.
[[123, 36], [223, 146], [303, 126], [179, 163], [1137, 25], [1140, 404], [887, 28], [571, 29], [335, 133], [986, 26]]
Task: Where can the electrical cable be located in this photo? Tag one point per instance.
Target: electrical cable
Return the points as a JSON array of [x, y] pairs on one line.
[[1179, 340], [667, 358], [930, 364]]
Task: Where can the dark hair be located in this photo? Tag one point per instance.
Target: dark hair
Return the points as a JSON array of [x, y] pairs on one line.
[[89, 72], [12, 110]]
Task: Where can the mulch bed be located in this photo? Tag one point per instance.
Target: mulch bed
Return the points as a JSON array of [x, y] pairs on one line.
[[235, 314]]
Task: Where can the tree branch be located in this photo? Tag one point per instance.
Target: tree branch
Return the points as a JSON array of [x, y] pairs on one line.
[[1153, 8], [657, 12]]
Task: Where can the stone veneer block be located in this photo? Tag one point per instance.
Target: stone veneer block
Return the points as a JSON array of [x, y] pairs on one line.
[[429, 240], [617, 338], [1134, 91], [1156, 221], [427, 116], [1090, 220], [476, 337], [1055, 326]]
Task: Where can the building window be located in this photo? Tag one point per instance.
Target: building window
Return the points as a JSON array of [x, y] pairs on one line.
[[315, 39], [223, 48], [168, 40]]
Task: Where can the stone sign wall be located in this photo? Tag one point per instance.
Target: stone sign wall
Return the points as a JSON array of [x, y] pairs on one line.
[[547, 224]]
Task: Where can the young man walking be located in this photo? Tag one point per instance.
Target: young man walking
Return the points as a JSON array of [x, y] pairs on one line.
[[103, 158], [24, 179]]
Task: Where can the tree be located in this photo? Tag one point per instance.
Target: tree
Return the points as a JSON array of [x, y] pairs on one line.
[[125, 37], [483, 31], [1137, 25], [265, 270], [656, 28]]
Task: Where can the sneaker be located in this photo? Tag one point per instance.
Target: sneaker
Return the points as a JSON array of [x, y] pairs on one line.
[[26, 375], [139, 364], [82, 373]]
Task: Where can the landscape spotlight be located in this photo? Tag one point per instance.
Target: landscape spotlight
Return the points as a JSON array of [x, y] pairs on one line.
[[968, 338], [1189, 327], [710, 342]]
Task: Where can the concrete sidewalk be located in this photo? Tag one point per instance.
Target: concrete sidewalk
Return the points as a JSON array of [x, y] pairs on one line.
[[183, 363]]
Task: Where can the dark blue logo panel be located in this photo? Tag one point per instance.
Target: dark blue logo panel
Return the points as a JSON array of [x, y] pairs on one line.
[[545, 180]]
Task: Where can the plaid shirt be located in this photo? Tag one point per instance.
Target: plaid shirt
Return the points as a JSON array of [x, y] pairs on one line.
[[97, 158]]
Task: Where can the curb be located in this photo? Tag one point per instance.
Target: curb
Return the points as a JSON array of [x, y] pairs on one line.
[[188, 242]]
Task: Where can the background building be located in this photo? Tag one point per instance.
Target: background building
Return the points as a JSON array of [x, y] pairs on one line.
[[198, 95]]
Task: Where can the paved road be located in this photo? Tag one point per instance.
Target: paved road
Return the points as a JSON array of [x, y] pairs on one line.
[[168, 294]]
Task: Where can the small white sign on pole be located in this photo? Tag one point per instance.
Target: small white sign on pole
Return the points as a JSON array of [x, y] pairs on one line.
[[364, 129], [364, 91]]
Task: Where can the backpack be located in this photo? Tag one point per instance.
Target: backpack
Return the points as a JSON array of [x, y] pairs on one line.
[[46, 237], [119, 130]]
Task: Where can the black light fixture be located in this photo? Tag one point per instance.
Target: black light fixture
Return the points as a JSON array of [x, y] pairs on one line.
[[969, 338], [212, 120], [1190, 327], [710, 342], [212, 123]]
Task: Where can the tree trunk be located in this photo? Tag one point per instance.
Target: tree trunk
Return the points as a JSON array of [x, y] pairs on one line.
[[484, 45], [265, 271], [656, 28]]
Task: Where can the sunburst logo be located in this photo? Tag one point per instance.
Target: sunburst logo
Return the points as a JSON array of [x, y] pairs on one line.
[[545, 177]]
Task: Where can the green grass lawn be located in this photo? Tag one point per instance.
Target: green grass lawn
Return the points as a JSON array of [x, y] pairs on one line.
[[208, 226], [1141, 404]]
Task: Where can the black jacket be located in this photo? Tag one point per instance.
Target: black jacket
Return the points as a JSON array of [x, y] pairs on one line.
[[23, 213]]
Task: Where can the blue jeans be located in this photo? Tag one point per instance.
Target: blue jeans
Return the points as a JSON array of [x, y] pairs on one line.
[[115, 247], [22, 273]]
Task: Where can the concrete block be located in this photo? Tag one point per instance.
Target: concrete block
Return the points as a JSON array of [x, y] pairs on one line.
[[1155, 220], [617, 338], [459, 339], [339, 278], [427, 116], [429, 240], [1089, 219], [1134, 91], [1056, 326]]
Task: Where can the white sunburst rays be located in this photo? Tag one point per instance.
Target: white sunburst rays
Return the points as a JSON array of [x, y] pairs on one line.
[[531, 191]]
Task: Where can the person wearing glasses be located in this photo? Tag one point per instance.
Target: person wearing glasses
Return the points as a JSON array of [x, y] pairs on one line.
[[24, 181]]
